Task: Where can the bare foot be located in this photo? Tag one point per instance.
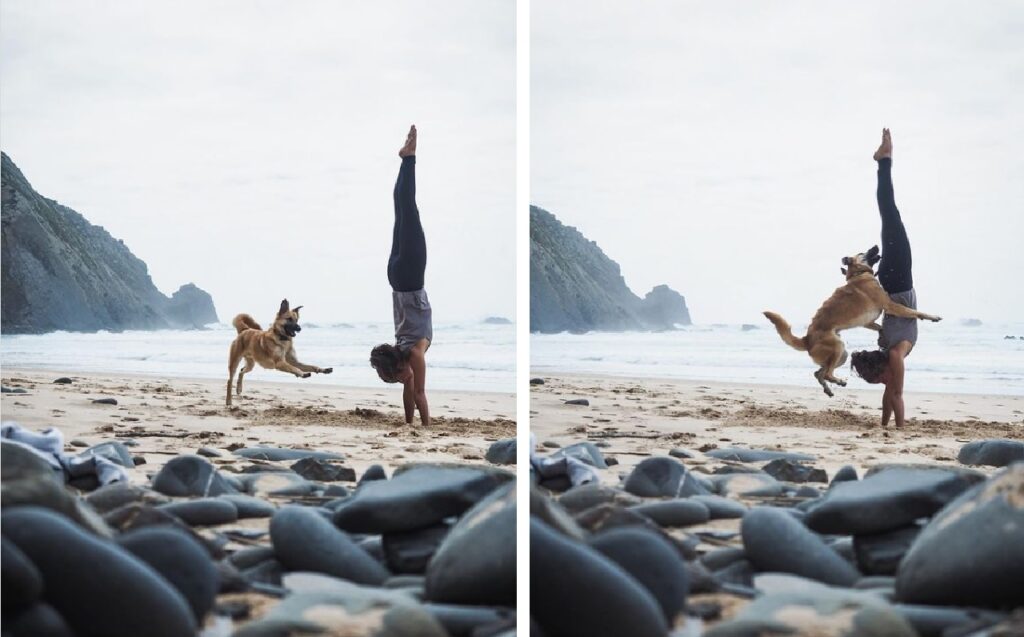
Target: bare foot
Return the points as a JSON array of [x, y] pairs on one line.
[[409, 149], [885, 149]]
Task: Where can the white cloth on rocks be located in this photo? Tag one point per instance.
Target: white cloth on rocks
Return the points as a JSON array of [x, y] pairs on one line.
[[577, 471], [48, 444]]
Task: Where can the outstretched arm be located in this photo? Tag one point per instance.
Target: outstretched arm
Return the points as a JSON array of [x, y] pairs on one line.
[[894, 388], [418, 362]]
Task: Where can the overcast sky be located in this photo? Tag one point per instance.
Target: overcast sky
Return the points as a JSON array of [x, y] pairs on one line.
[[724, 148], [250, 147]]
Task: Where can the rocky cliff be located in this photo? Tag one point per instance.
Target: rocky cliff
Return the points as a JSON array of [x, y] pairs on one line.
[[60, 272], [575, 287]]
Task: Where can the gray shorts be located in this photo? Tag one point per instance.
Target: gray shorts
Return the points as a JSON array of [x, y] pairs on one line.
[[896, 329], [413, 318]]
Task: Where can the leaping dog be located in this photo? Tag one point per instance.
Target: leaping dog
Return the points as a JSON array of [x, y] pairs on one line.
[[859, 303], [272, 348]]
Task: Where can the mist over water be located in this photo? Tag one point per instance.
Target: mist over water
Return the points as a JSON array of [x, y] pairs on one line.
[[949, 357], [464, 357]]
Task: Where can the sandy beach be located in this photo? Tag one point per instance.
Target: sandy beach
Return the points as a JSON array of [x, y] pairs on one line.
[[168, 416], [642, 416]]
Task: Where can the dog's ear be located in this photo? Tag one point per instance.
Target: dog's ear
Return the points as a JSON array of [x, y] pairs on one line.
[[843, 270], [297, 308], [845, 261], [284, 307]]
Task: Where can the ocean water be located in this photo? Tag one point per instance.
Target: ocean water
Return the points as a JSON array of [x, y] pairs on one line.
[[464, 357], [949, 356]]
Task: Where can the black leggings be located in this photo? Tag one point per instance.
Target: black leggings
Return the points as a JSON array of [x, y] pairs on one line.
[[408, 258], [894, 270]]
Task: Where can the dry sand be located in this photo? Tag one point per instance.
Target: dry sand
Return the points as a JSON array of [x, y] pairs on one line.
[[641, 417], [169, 416]]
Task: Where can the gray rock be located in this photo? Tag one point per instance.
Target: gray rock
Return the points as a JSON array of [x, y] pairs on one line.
[[721, 508], [476, 563], [586, 496], [209, 452], [582, 402], [674, 512], [880, 553], [4, 389], [190, 476], [37, 620], [502, 452], [746, 484], [740, 454], [104, 401], [304, 541], [789, 471], [662, 476], [21, 582], [373, 473], [279, 453], [63, 380], [972, 552], [413, 499], [323, 471], [885, 501], [202, 512], [653, 561], [97, 587], [775, 541], [408, 552], [845, 474], [248, 506], [180, 560], [117, 494], [612, 604], [997, 452]]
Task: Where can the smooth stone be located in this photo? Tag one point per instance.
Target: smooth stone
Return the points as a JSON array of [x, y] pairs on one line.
[[96, 586], [21, 581], [472, 621], [536, 381], [807, 491], [279, 453], [741, 573], [78, 443], [209, 452], [267, 572], [789, 471], [336, 491], [63, 380], [995, 452], [587, 496], [554, 515], [813, 610], [679, 452], [661, 476], [37, 620], [881, 553], [190, 476], [4, 389], [611, 603], [581, 402], [845, 474], [180, 560], [721, 508], [885, 501], [409, 551], [373, 473], [405, 581], [135, 516], [277, 483], [674, 512], [304, 541], [413, 499], [502, 452], [104, 401], [476, 562], [28, 480], [249, 506], [204, 512], [551, 444], [323, 471], [775, 541], [652, 561], [585, 452], [972, 552], [720, 558], [876, 582], [325, 605], [746, 484], [740, 454], [247, 558], [936, 621], [112, 450]]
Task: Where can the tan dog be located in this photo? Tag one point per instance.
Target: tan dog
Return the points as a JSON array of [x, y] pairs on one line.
[[857, 304], [272, 349]]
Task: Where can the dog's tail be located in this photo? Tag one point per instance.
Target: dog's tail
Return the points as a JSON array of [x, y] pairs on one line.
[[786, 332], [244, 322]]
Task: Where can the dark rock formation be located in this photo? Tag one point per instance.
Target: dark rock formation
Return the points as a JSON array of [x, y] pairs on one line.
[[575, 287], [61, 272]]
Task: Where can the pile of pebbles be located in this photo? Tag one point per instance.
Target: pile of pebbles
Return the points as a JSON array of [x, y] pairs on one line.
[[279, 547], [738, 542]]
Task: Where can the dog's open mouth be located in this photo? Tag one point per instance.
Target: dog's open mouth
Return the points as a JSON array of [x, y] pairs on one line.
[[292, 330]]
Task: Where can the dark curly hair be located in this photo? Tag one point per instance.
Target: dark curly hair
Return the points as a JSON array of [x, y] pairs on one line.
[[869, 365], [387, 359]]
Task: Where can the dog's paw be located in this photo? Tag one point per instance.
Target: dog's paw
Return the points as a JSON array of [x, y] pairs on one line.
[[327, 370], [305, 375], [840, 382]]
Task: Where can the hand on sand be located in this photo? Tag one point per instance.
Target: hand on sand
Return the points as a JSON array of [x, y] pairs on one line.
[[885, 148], [409, 149]]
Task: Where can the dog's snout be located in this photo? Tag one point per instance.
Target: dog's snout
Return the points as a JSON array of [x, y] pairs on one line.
[[297, 328]]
